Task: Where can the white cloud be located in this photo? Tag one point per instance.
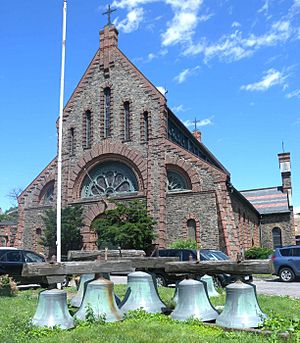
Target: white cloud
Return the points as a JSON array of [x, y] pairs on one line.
[[132, 21], [235, 24], [265, 8], [162, 90], [235, 46], [179, 108], [131, 3], [182, 76], [203, 122], [294, 94], [271, 78]]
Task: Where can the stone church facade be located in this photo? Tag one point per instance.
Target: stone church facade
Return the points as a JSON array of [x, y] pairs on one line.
[[121, 140]]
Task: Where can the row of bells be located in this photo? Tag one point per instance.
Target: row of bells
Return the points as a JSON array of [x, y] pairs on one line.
[[241, 309]]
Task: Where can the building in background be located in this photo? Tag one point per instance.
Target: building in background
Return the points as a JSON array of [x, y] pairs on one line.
[[121, 141]]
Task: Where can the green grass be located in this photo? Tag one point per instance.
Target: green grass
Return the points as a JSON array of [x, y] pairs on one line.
[[16, 313]]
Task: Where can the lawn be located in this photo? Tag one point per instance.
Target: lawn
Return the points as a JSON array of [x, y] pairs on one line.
[[140, 327]]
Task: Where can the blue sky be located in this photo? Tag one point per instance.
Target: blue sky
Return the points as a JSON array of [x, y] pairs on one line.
[[233, 65]]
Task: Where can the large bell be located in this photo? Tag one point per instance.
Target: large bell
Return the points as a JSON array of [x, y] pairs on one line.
[[141, 293], [193, 302], [210, 286], [84, 279], [99, 297], [241, 308], [52, 310]]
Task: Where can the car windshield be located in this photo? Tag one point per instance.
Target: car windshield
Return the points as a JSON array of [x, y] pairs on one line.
[[213, 255]]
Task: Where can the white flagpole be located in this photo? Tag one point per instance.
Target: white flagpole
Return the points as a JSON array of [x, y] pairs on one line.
[[60, 131]]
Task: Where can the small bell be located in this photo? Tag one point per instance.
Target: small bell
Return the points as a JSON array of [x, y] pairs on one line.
[[84, 279], [241, 310], [52, 310], [141, 293], [99, 298], [193, 302], [210, 286]]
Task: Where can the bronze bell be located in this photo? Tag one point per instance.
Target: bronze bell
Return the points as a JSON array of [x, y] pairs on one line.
[[99, 297], [141, 293], [84, 279], [193, 302], [210, 287], [241, 308], [52, 310]]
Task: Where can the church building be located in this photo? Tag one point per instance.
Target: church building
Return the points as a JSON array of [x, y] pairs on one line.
[[121, 141]]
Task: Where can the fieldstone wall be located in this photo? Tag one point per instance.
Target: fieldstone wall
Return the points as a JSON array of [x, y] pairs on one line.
[[199, 206], [282, 221], [247, 221]]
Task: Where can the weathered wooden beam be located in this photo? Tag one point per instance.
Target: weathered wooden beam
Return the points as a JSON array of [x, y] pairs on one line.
[[75, 255], [218, 267], [65, 268], [86, 267]]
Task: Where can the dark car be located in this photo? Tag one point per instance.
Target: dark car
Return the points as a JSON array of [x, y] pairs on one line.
[[286, 262], [165, 279], [12, 261]]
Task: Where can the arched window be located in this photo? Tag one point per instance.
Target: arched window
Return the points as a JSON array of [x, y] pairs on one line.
[[126, 121], [176, 181], [87, 129], [38, 231], [191, 229], [277, 239], [146, 126], [47, 194], [107, 95], [110, 178]]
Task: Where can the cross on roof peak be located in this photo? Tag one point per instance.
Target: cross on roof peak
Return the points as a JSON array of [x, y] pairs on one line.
[[109, 12]]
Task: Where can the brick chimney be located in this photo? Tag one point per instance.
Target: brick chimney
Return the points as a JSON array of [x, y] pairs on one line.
[[285, 169], [197, 135]]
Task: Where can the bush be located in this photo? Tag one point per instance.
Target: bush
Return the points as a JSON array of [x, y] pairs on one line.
[[128, 225], [184, 244], [258, 253], [8, 287]]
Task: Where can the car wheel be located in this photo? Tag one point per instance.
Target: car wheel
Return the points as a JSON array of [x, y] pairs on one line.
[[160, 280], [286, 274]]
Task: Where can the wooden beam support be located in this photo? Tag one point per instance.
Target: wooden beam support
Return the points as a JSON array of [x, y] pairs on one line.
[[218, 267]]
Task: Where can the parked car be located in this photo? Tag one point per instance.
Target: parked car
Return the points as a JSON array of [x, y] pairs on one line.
[[165, 279], [12, 261], [286, 261]]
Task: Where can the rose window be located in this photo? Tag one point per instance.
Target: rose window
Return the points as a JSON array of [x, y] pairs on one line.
[[109, 179]]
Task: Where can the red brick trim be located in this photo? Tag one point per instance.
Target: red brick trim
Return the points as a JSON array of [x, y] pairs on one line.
[[122, 120], [185, 227], [227, 228], [187, 169], [104, 152], [106, 84]]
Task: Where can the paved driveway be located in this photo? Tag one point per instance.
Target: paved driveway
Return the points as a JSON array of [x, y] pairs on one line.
[[269, 286], [276, 287]]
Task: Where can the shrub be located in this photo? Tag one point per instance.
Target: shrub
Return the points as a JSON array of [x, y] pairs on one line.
[[184, 244], [128, 225], [258, 253], [8, 287]]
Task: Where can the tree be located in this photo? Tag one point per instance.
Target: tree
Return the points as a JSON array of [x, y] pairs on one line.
[[128, 225], [72, 221]]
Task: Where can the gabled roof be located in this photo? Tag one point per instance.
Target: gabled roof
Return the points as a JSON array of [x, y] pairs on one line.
[[268, 200]]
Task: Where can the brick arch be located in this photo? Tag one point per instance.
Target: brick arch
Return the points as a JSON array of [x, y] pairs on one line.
[[41, 187], [185, 228], [102, 153], [188, 169]]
